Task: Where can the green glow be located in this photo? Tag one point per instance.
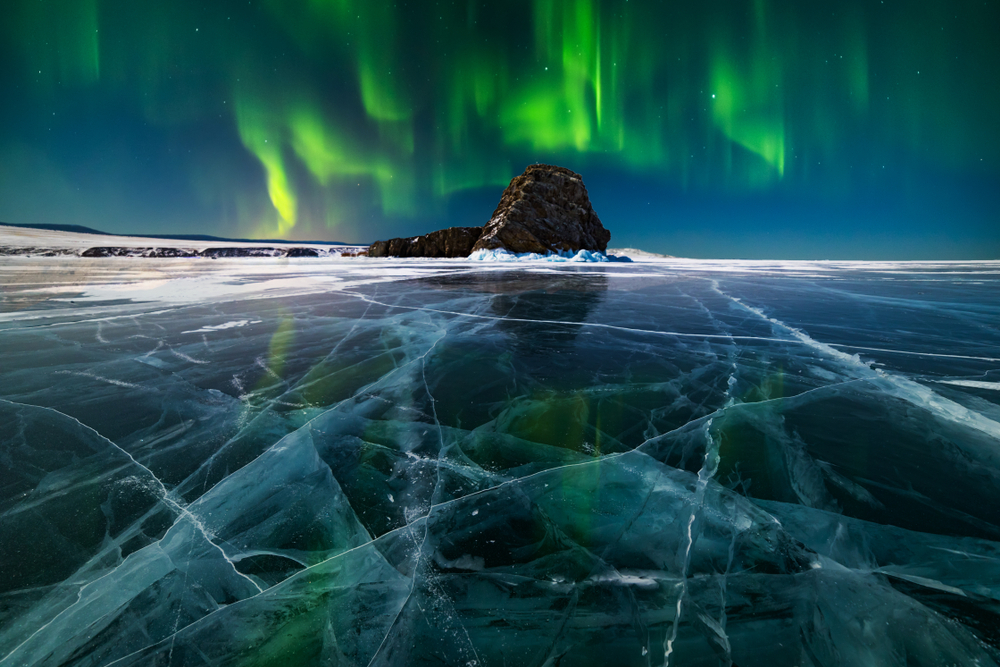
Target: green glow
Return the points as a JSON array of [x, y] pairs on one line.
[[85, 64], [278, 351], [62, 43], [330, 156], [363, 112], [382, 94], [382, 100], [560, 107], [600, 82], [319, 149], [261, 138], [474, 87], [449, 179], [748, 117], [856, 56], [748, 102]]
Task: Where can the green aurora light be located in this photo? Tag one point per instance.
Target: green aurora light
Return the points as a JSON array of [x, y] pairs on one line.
[[342, 118]]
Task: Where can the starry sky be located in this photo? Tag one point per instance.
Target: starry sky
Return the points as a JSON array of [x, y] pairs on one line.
[[854, 129]]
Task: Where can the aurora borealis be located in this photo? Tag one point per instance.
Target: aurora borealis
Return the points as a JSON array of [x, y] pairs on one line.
[[858, 129]]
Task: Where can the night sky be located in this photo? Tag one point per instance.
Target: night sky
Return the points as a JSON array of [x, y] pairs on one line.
[[848, 129]]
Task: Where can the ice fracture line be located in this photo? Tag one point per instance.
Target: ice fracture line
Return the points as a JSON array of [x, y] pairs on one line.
[[900, 387]]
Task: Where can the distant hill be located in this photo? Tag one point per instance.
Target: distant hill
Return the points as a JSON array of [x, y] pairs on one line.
[[80, 229], [76, 229]]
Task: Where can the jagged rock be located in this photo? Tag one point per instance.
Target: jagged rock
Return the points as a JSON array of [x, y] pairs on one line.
[[40, 252], [302, 252], [242, 252], [106, 252], [103, 251], [213, 253], [172, 252], [451, 242], [544, 209]]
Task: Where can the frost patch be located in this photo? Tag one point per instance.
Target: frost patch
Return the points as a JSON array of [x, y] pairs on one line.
[[220, 327], [501, 255]]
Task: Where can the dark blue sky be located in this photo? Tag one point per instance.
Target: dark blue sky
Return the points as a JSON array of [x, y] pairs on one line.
[[858, 129]]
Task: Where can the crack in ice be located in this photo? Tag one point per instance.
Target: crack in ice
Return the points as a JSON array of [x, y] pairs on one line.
[[164, 497], [900, 387], [596, 325]]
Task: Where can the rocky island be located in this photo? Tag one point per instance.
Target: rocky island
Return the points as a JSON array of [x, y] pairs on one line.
[[545, 209]]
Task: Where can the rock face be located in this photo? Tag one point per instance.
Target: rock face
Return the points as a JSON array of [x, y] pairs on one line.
[[213, 253], [544, 209], [103, 251], [451, 242]]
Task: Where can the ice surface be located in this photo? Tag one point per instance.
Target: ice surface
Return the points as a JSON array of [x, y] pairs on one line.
[[386, 462]]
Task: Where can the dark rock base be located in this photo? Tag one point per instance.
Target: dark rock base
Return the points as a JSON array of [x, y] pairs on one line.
[[213, 253], [451, 242]]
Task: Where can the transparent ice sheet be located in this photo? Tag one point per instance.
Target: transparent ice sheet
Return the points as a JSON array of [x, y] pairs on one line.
[[438, 463]]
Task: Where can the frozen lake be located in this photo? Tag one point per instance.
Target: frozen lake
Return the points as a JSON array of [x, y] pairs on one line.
[[362, 462]]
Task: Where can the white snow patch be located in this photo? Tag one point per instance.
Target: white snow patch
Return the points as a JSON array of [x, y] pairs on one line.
[[501, 255], [975, 384], [625, 579], [220, 327]]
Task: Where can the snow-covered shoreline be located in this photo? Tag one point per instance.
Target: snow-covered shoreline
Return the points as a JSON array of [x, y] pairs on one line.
[[19, 241]]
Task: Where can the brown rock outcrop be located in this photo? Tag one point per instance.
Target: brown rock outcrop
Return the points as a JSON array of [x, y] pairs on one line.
[[451, 242], [544, 209]]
